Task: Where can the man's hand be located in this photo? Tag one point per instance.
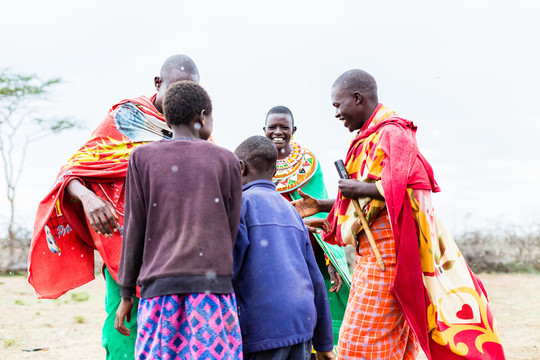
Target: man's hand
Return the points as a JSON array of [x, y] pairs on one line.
[[335, 278], [100, 213], [325, 355], [351, 188], [307, 206], [317, 226], [123, 312]]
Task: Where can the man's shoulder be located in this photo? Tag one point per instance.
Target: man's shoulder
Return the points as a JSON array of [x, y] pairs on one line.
[[139, 100]]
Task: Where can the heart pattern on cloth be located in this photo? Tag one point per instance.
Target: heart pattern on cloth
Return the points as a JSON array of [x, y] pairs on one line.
[[465, 313]]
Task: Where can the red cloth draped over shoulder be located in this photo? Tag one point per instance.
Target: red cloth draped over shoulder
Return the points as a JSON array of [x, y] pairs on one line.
[[386, 151], [402, 166], [62, 249]]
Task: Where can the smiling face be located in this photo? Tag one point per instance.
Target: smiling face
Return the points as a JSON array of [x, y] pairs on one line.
[[350, 107], [279, 129]]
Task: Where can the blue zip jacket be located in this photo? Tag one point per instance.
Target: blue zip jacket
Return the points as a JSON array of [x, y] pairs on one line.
[[280, 292]]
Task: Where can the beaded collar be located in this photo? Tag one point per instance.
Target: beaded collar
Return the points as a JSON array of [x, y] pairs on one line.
[[295, 170]]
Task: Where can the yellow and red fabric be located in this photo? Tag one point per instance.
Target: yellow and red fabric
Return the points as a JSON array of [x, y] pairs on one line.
[[443, 301], [62, 249]]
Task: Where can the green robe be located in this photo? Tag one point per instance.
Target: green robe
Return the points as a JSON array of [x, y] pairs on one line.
[[338, 301], [117, 346]]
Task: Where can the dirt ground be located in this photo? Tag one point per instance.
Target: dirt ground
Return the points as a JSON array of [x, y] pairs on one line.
[[70, 327]]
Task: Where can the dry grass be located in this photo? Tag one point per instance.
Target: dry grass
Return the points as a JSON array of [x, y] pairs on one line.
[[56, 326], [65, 328]]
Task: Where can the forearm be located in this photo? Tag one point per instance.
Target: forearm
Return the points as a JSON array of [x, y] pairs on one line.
[[325, 205], [370, 190], [76, 190], [354, 189]]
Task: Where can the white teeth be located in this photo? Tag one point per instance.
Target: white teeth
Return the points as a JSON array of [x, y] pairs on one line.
[[278, 139]]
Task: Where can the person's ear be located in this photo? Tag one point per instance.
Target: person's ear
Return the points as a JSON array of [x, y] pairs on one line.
[[157, 82], [243, 168], [358, 98], [293, 130], [202, 117], [264, 129]]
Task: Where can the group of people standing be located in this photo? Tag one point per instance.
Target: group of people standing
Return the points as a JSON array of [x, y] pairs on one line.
[[205, 257]]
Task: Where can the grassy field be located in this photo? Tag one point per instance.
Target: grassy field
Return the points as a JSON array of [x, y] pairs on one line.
[[70, 327]]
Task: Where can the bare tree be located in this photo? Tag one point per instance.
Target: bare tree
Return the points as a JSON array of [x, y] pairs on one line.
[[20, 125]]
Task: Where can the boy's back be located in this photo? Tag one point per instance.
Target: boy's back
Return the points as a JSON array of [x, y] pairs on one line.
[[187, 192], [280, 291]]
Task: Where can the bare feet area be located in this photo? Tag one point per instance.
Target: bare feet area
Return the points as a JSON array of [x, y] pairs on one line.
[[70, 327]]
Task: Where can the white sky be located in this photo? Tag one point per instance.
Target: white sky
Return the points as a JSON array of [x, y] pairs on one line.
[[466, 72]]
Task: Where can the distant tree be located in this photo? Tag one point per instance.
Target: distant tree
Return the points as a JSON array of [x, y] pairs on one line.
[[20, 125]]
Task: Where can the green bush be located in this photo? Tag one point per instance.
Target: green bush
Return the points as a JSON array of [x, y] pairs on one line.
[[80, 296]]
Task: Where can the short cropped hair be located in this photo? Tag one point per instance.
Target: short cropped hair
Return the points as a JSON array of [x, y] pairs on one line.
[[183, 101], [357, 80], [280, 110], [258, 151]]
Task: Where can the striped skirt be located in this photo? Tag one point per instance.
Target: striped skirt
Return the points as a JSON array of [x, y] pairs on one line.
[[188, 326], [374, 326]]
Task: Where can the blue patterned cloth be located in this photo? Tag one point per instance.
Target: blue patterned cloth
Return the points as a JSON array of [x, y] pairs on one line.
[[189, 326]]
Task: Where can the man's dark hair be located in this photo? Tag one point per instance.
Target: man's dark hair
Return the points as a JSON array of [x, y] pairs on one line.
[[178, 62], [357, 80], [280, 110], [183, 101], [258, 151]]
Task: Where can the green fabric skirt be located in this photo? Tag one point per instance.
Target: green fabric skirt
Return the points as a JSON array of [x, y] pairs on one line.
[[117, 346], [338, 301]]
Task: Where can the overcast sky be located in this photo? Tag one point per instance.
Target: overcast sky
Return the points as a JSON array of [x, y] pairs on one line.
[[465, 72]]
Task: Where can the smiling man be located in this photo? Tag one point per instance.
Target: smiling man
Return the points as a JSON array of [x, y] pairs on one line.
[[426, 296]]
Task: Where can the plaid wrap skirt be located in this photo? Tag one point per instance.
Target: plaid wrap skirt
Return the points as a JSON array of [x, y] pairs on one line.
[[374, 326]]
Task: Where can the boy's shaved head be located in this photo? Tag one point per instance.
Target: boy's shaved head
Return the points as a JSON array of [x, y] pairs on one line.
[[259, 152], [179, 63], [357, 80]]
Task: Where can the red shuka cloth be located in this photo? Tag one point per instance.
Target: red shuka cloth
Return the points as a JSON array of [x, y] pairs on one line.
[[394, 160], [62, 249]]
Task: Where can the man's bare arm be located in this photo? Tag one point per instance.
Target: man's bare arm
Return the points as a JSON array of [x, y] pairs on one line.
[[99, 212], [354, 189]]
